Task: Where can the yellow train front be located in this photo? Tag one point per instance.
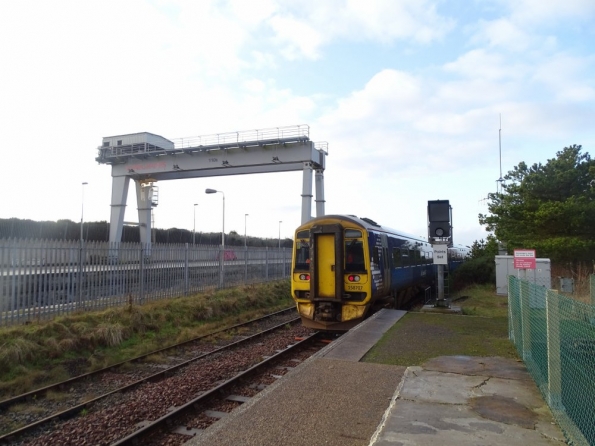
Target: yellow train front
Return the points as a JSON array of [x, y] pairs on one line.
[[343, 265]]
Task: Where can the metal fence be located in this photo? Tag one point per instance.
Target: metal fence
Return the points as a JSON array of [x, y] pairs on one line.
[[44, 279], [555, 336]]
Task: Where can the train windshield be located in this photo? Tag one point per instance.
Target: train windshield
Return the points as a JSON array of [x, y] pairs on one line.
[[302, 250], [354, 251]]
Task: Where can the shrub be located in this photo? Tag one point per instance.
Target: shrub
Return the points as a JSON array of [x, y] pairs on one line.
[[477, 271]]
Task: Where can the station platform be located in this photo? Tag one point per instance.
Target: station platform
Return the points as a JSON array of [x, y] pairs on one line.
[[334, 399]]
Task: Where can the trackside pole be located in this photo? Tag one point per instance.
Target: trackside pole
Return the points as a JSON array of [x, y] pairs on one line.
[[440, 260]]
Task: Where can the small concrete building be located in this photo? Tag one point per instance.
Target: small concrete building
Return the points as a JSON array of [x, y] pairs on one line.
[[541, 275]]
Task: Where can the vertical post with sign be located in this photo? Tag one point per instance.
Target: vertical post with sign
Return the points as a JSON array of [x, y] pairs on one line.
[[440, 236], [441, 259]]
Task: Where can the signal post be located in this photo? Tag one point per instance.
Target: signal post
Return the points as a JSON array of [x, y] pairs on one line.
[[440, 236]]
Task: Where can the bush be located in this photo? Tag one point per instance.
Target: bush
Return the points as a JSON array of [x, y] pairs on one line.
[[481, 270]]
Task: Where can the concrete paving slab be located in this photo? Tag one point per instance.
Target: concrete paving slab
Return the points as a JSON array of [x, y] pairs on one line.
[[477, 365], [457, 409]]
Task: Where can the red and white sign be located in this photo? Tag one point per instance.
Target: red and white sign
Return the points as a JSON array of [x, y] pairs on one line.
[[524, 259]]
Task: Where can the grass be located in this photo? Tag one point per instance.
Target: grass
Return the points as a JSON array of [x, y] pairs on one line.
[[38, 354], [482, 330]]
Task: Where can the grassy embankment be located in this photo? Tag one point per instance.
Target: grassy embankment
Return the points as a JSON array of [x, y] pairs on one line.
[[40, 353], [482, 330]]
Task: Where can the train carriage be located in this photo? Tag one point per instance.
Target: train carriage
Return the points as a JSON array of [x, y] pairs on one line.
[[343, 266]]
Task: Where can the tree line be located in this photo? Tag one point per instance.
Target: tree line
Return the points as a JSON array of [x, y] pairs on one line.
[[547, 207], [99, 232]]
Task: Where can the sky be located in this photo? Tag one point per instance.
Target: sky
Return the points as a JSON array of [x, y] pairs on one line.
[[418, 100]]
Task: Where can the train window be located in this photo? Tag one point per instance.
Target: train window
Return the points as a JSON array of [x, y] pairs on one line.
[[411, 257], [376, 256], [417, 257], [354, 256], [353, 233], [302, 255], [302, 235], [397, 257], [405, 257]]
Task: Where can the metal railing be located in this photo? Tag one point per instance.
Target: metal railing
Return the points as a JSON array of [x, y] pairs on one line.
[[555, 336], [301, 131], [44, 279]]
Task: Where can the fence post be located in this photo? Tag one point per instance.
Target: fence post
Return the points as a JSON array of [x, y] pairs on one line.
[[592, 293], [554, 370], [525, 319], [13, 298], [245, 265], [266, 263], [511, 286], [80, 277], [221, 265], [141, 265], [186, 285]]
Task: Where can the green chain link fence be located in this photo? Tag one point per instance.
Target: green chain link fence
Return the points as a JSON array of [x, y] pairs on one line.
[[555, 336]]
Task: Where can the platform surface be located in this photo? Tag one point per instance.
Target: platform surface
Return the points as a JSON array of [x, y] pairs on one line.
[[333, 399]]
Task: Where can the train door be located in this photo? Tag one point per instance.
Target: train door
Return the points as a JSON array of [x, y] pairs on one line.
[[386, 268], [326, 269]]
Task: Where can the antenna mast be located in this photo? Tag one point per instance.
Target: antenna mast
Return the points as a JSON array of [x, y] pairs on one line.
[[500, 180]]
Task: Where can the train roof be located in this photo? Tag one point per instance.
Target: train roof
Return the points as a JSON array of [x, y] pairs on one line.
[[367, 224]]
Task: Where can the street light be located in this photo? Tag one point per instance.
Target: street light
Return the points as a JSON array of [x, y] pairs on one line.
[[213, 191], [280, 233], [194, 227], [83, 208], [245, 243]]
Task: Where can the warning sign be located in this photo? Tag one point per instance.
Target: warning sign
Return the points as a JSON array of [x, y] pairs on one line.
[[524, 259]]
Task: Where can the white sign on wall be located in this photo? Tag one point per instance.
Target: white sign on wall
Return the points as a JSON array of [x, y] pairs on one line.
[[440, 254]]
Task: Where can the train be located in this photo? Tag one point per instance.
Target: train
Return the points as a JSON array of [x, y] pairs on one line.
[[345, 267]]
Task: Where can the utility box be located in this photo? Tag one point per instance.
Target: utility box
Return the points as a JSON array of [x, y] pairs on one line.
[[566, 284], [541, 275]]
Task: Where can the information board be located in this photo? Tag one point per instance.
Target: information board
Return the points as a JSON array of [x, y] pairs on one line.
[[524, 259]]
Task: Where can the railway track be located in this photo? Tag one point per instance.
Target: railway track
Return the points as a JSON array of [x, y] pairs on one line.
[[83, 394], [175, 427]]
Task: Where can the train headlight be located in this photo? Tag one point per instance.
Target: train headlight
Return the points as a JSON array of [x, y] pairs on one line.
[[304, 276], [353, 278]]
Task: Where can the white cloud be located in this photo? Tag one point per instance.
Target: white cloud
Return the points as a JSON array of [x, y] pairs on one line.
[[536, 12], [414, 130], [506, 34], [567, 77], [304, 29], [481, 64]]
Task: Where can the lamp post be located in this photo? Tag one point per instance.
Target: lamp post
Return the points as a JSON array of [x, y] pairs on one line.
[[213, 191], [194, 226], [245, 242], [83, 208], [280, 234]]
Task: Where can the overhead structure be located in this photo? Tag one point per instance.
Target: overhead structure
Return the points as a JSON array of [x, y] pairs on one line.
[[147, 158]]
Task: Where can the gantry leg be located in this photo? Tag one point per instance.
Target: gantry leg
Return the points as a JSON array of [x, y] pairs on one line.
[[307, 193], [319, 193], [119, 196], [143, 200]]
